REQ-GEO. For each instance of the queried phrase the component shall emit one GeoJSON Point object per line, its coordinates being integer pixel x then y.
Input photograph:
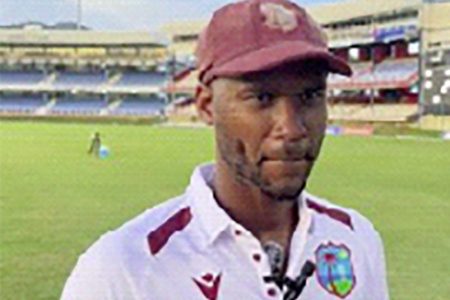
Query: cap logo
{"type": "Point", "coordinates": [278, 17]}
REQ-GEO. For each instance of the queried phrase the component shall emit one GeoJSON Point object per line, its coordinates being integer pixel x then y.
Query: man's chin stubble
{"type": "Point", "coordinates": [281, 196]}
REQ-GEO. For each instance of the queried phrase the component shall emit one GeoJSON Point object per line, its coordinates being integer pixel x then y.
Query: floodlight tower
{"type": "Point", "coordinates": [422, 25]}
{"type": "Point", "coordinates": [79, 11]}
{"type": "Point", "coordinates": [424, 29]}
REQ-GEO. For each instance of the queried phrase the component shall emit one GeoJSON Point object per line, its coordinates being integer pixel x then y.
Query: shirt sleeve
{"type": "Point", "coordinates": [98, 275]}
{"type": "Point", "coordinates": [375, 277]}
{"type": "Point", "coordinates": [379, 266]}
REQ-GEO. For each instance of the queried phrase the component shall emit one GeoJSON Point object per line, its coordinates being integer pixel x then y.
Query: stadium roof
{"type": "Point", "coordinates": [60, 25]}
{"type": "Point", "coordinates": [437, 24]}
{"type": "Point", "coordinates": [352, 9]}
{"type": "Point", "coordinates": [39, 36]}
{"type": "Point", "coordinates": [184, 27]}
{"type": "Point", "coordinates": [323, 13]}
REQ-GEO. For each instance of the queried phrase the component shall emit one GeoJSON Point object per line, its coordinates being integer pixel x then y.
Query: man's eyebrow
{"type": "Point", "coordinates": [316, 87]}
{"type": "Point", "coordinates": [308, 89]}
{"type": "Point", "coordinates": [252, 86]}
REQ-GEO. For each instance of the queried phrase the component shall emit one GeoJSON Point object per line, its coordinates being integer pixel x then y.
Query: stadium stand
{"type": "Point", "coordinates": [83, 80]}
{"type": "Point", "coordinates": [140, 79]}
{"type": "Point", "coordinates": [391, 73]}
{"type": "Point", "coordinates": [185, 82]}
{"type": "Point", "coordinates": [20, 77]}
{"type": "Point", "coordinates": [360, 70]}
{"type": "Point", "coordinates": [138, 106]}
{"type": "Point", "coordinates": [79, 105]}
{"type": "Point", "coordinates": [20, 104]}
{"type": "Point", "coordinates": [81, 72]}
{"type": "Point", "coordinates": [369, 113]}
{"type": "Point", "coordinates": [182, 111]}
{"type": "Point", "coordinates": [384, 42]}
{"type": "Point", "coordinates": [396, 73]}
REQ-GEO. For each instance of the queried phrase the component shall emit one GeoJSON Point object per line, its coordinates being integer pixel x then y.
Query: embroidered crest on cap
{"type": "Point", "coordinates": [278, 17]}
{"type": "Point", "coordinates": [335, 270]}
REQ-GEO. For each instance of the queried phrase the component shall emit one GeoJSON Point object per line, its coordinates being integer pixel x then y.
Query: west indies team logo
{"type": "Point", "coordinates": [334, 269]}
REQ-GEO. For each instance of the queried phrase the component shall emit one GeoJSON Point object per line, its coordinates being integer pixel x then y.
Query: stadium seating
{"type": "Point", "coordinates": [398, 73]}
{"type": "Point", "coordinates": [375, 113]}
{"type": "Point", "coordinates": [79, 106]}
{"type": "Point", "coordinates": [16, 78]}
{"type": "Point", "coordinates": [140, 79]}
{"type": "Point", "coordinates": [396, 70]}
{"type": "Point", "coordinates": [21, 104]}
{"type": "Point", "coordinates": [360, 71]}
{"type": "Point", "coordinates": [138, 106]}
{"type": "Point", "coordinates": [69, 79]}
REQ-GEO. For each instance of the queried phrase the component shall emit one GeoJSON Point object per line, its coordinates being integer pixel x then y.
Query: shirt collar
{"type": "Point", "coordinates": [306, 216]}
{"type": "Point", "coordinates": [212, 219]}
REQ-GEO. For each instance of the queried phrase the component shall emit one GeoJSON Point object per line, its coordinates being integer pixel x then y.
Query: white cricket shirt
{"type": "Point", "coordinates": [188, 248]}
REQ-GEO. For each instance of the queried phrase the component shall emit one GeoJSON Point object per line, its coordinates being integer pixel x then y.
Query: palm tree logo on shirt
{"type": "Point", "coordinates": [335, 270]}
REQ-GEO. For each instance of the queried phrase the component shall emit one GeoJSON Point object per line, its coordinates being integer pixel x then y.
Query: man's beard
{"type": "Point", "coordinates": [249, 173]}
{"type": "Point", "coordinates": [284, 196]}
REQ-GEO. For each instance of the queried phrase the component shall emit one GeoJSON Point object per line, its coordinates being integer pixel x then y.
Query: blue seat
{"type": "Point", "coordinates": [136, 79]}
{"type": "Point", "coordinates": [79, 106]}
{"type": "Point", "coordinates": [21, 103]}
{"type": "Point", "coordinates": [21, 77]}
{"type": "Point", "coordinates": [140, 106]}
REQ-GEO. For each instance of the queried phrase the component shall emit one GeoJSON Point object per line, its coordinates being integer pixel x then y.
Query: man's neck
{"type": "Point", "coordinates": [267, 218]}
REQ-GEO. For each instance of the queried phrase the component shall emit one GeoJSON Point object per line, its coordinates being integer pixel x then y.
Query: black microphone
{"type": "Point", "coordinates": [295, 287]}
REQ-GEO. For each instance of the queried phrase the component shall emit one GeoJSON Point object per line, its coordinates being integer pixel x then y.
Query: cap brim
{"type": "Point", "coordinates": [280, 54]}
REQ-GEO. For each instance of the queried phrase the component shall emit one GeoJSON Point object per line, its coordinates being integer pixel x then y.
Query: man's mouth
{"type": "Point", "coordinates": [291, 158]}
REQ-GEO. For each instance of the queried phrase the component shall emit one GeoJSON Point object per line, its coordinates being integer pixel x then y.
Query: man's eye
{"type": "Point", "coordinates": [265, 98]}
{"type": "Point", "coordinates": [319, 94]}
{"type": "Point", "coordinates": [311, 97]}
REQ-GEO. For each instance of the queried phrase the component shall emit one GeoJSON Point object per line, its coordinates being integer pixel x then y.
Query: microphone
{"type": "Point", "coordinates": [295, 287]}
{"type": "Point", "coordinates": [276, 256]}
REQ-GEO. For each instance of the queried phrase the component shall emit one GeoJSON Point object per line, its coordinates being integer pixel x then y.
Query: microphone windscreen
{"type": "Point", "coordinates": [308, 268]}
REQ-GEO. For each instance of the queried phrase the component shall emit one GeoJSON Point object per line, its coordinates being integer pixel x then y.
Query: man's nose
{"type": "Point", "coordinates": [289, 121]}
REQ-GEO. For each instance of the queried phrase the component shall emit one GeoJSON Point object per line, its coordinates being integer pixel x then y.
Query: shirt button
{"type": "Point", "coordinates": [272, 292]}
{"type": "Point", "coordinates": [256, 257]}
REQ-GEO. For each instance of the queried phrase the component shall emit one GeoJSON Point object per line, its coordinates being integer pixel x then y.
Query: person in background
{"type": "Point", "coordinates": [96, 143]}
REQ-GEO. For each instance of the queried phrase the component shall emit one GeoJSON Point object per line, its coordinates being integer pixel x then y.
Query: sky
{"type": "Point", "coordinates": [148, 15]}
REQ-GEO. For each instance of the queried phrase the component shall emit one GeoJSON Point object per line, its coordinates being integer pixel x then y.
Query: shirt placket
{"type": "Point", "coordinates": [298, 244]}
{"type": "Point", "coordinates": [252, 249]}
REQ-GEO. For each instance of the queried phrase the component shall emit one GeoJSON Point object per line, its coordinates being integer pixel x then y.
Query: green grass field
{"type": "Point", "coordinates": [56, 200]}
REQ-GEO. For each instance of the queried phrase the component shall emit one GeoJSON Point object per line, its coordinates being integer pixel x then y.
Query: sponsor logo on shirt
{"type": "Point", "coordinates": [209, 285]}
{"type": "Point", "coordinates": [334, 269]}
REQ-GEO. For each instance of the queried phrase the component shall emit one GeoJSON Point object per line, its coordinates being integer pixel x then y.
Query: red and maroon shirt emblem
{"type": "Point", "coordinates": [209, 285]}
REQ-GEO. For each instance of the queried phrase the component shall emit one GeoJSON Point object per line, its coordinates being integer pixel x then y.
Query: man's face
{"type": "Point", "coordinates": [269, 128]}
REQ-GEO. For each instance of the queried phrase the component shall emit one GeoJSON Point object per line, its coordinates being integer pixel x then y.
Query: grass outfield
{"type": "Point", "coordinates": [56, 200]}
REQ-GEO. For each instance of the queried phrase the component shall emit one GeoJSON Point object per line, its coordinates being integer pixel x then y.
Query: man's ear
{"type": "Point", "coordinates": [204, 103]}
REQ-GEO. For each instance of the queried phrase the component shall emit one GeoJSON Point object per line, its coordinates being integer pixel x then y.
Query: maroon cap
{"type": "Point", "coordinates": [257, 35]}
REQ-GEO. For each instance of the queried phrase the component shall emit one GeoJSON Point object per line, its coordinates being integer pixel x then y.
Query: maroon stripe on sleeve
{"type": "Point", "coordinates": [158, 238]}
{"type": "Point", "coordinates": [333, 213]}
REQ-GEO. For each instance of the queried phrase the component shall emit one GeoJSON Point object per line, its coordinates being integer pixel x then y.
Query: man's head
{"type": "Point", "coordinates": [263, 66]}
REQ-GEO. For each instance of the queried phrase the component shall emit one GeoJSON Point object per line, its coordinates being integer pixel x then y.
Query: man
{"type": "Point", "coordinates": [95, 145]}
{"type": "Point", "coordinates": [245, 228]}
